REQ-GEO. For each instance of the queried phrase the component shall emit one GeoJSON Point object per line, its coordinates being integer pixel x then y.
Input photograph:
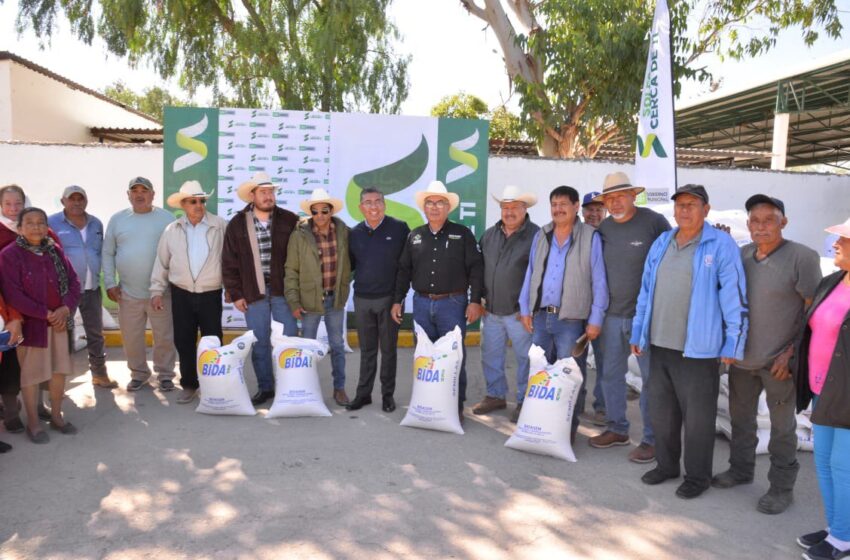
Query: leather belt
{"type": "Point", "coordinates": [327, 293]}
{"type": "Point", "coordinates": [551, 309]}
{"type": "Point", "coordinates": [435, 297]}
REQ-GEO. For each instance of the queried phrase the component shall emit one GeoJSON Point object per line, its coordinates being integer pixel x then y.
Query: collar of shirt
{"type": "Point", "coordinates": [370, 227]}
{"type": "Point", "coordinates": [315, 230]}
{"type": "Point", "coordinates": [72, 224]}
{"type": "Point", "coordinates": [439, 231]}
{"type": "Point", "coordinates": [203, 222]}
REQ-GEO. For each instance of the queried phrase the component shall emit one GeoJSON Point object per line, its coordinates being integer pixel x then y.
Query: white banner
{"type": "Point", "coordinates": [655, 149]}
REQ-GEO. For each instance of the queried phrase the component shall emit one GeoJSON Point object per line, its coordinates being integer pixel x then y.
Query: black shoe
{"type": "Point", "coordinates": [811, 539]}
{"type": "Point", "coordinates": [14, 426]}
{"type": "Point", "coordinates": [690, 489]}
{"type": "Point", "coordinates": [656, 476]}
{"type": "Point", "coordinates": [44, 413]}
{"type": "Point", "coordinates": [389, 403]}
{"type": "Point", "coordinates": [358, 403]}
{"type": "Point", "coordinates": [5, 447]}
{"type": "Point", "coordinates": [825, 551]}
{"type": "Point", "coordinates": [729, 479]}
{"type": "Point", "coordinates": [261, 396]}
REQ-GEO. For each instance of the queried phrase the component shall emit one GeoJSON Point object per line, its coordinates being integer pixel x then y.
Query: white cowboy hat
{"type": "Point", "coordinates": [616, 182]}
{"type": "Point", "coordinates": [511, 193]}
{"type": "Point", "coordinates": [841, 230]}
{"type": "Point", "coordinates": [189, 189]}
{"type": "Point", "coordinates": [259, 179]}
{"type": "Point", "coordinates": [321, 196]}
{"type": "Point", "coordinates": [437, 188]}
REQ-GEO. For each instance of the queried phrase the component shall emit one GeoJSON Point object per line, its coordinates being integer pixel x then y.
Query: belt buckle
{"type": "Point", "coordinates": [552, 309]}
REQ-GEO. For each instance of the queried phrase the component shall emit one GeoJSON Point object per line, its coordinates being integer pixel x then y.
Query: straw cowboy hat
{"type": "Point", "coordinates": [321, 196]}
{"type": "Point", "coordinates": [617, 182]}
{"type": "Point", "coordinates": [511, 194]}
{"type": "Point", "coordinates": [437, 188]}
{"type": "Point", "coordinates": [189, 189]}
{"type": "Point", "coordinates": [841, 230]}
{"type": "Point", "coordinates": [259, 179]}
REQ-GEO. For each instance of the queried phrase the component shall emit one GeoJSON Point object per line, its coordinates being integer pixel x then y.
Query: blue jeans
{"type": "Point", "coordinates": [258, 319]}
{"type": "Point", "coordinates": [832, 463]}
{"type": "Point", "coordinates": [333, 323]}
{"type": "Point", "coordinates": [616, 332]}
{"type": "Point", "coordinates": [437, 317]}
{"type": "Point", "coordinates": [562, 334]}
{"type": "Point", "coordinates": [598, 394]}
{"type": "Point", "coordinates": [495, 332]}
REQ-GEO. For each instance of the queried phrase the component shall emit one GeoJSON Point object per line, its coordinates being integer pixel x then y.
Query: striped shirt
{"type": "Point", "coordinates": [264, 244]}
{"type": "Point", "coordinates": [327, 255]}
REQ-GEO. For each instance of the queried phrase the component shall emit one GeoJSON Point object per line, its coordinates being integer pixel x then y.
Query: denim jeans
{"type": "Point", "coordinates": [598, 393]}
{"type": "Point", "coordinates": [562, 334]}
{"type": "Point", "coordinates": [832, 464]}
{"type": "Point", "coordinates": [495, 332]}
{"type": "Point", "coordinates": [439, 316]}
{"type": "Point", "coordinates": [616, 332]}
{"type": "Point", "coordinates": [333, 323]}
{"type": "Point", "coordinates": [258, 319]}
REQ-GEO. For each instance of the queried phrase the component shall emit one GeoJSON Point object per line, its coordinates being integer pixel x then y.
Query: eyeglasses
{"type": "Point", "coordinates": [371, 203]}
{"type": "Point", "coordinates": [436, 203]}
{"type": "Point", "coordinates": [324, 211]}
{"type": "Point", "coordinates": [194, 201]}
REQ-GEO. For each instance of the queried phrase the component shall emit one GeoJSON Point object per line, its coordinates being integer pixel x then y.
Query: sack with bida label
{"type": "Point", "coordinates": [544, 423]}
{"type": "Point", "coordinates": [222, 384]}
{"type": "Point", "coordinates": [436, 377]}
{"type": "Point", "coordinates": [297, 391]}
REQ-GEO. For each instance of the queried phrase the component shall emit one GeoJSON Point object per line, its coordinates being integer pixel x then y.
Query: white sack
{"type": "Point", "coordinates": [223, 389]}
{"type": "Point", "coordinates": [296, 375]}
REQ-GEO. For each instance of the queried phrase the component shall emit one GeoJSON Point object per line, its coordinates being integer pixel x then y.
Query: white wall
{"type": "Point", "coordinates": [813, 201]}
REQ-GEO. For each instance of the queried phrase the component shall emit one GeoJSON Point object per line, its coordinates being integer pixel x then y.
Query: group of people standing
{"type": "Point", "coordinates": [686, 301]}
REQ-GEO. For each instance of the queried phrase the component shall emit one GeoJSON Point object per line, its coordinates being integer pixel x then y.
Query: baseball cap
{"type": "Point", "coordinates": [764, 199]}
{"type": "Point", "coordinates": [588, 198]}
{"type": "Point", "coordinates": [74, 189]}
{"type": "Point", "coordinates": [695, 190]}
{"type": "Point", "coordinates": [140, 181]}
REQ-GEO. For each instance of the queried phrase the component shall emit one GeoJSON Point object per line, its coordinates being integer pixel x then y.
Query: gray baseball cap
{"type": "Point", "coordinates": [74, 189]}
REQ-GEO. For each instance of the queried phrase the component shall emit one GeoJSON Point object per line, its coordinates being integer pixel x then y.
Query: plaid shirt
{"type": "Point", "coordinates": [264, 243]}
{"type": "Point", "coordinates": [327, 254]}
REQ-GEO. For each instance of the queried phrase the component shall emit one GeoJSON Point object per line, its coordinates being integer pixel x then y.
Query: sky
{"type": "Point", "coordinates": [451, 52]}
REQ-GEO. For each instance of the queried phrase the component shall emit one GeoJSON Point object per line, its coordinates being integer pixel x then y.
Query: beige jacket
{"type": "Point", "coordinates": [172, 259]}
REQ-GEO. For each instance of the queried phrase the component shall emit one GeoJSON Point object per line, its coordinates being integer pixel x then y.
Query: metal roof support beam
{"type": "Point", "coordinates": [779, 147]}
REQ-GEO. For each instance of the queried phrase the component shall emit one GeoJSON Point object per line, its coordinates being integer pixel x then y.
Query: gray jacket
{"type": "Point", "coordinates": [505, 262]}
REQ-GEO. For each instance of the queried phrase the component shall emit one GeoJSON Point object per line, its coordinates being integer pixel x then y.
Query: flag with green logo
{"type": "Point", "coordinates": [190, 143]}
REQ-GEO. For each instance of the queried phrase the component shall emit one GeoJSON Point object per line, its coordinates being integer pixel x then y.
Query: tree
{"type": "Point", "coordinates": [504, 125]}
{"type": "Point", "coordinates": [330, 55]}
{"type": "Point", "coordinates": [578, 66]}
{"type": "Point", "coordinates": [151, 102]}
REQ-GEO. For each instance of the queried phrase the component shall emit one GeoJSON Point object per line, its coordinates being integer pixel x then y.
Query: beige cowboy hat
{"type": "Point", "coordinates": [321, 196]}
{"type": "Point", "coordinates": [189, 189]}
{"type": "Point", "coordinates": [841, 230]}
{"type": "Point", "coordinates": [511, 194]}
{"type": "Point", "coordinates": [617, 182]}
{"type": "Point", "coordinates": [259, 179]}
{"type": "Point", "coordinates": [437, 188]}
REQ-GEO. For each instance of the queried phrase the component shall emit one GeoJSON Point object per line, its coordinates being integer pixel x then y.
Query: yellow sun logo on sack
{"type": "Point", "coordinates": [423, 370]}
{"type": "Point", "coordinates": [538, 387]}
{"type": "Point", "coordinates": [208, 365]}
{"type": "Point", "coordinates": [294, 358]}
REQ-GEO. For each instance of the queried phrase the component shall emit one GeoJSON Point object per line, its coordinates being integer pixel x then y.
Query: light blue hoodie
{"type": "Point", "coordinates": [718, 315]}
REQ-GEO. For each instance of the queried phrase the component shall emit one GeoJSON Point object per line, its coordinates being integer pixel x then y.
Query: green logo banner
{"type": "Point", "coordinates": [462, 153]}
{"type": "Point", "coordinates": [190, 143]}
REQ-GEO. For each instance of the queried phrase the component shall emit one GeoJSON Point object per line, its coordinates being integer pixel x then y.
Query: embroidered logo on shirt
{"type": "Point", "coordinates": [389, 238]}
{"type": "Point", "coordinates": [636, 243]}
{"type": "Point", "coordinates": [453, 236]}
{"type": "Point", "coordinates": [709, 260]}
{"type": "Point", "coordinates": [417, 239]}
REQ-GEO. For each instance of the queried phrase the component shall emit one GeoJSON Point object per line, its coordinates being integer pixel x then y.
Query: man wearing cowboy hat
{"type": "Point", "coordinates": [442, 260]}
{"type": "Point", "coordinates": [253, 259]}
{"type": "Point", "coordinates": [376, 244]}
{"type": "Point", "coordinates": [81, 235]}
{"type": "Point", "coordinates": [627, 234]}
{"type": "Point", "coordinates": [505, 247]}
{"type": "Point", "coordinates": [564, 294]}
{"type": "Point", "coordinates": [188, 264]}
{"type": "Point", "coordinates": [318, 273]}
{"type": "Point", "coordinates": [129, 251]}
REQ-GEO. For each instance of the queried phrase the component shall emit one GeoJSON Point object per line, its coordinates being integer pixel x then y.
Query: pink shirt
{"type": "Point", "coordinates": [825, 324]}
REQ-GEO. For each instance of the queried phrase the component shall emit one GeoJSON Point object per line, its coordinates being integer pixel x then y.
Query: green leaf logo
{"type": "Point", "coordinates": [652, 144]}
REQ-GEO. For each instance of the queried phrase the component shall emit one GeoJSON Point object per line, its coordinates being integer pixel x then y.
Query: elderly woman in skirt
{"type": "Point", "coordinates": [39, 281]}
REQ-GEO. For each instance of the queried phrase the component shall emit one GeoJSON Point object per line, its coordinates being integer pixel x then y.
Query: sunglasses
{"type": "Point", "coordinates": [194, 201]}
{"type": "Point", "coordinates": [324, 211]}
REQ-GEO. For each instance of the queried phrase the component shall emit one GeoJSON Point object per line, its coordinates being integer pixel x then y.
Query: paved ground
{"type": "Point", "coordinates": [147, 478]}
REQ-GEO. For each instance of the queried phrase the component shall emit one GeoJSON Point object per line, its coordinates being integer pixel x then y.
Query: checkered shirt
{"type": "Point", "coordinates": [327, 255]}
{"type": "Point", "coordinates": [264, 244]}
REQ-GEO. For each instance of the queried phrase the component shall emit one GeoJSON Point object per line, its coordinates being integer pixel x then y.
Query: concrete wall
{"type": "Point", "coordinates": [45, 110]}
{"type": "Point", "coordinates": [813, 201]}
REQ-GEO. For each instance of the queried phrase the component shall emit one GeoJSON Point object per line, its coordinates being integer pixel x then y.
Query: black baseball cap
{"type": "Point", "coordinates": [695, 190]}
{"type": "Point", "coordinates": [764, 199]}
{"type": "Point", "coordinates": [140, 181]}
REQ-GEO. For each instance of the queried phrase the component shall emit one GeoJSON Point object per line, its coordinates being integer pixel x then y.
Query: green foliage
{"type": "Point", "coordinates": [330, 55]}
{"type": "Point", "coordinates": [504, 125]}
{"type": "Point", "coordinates": [151, 102]}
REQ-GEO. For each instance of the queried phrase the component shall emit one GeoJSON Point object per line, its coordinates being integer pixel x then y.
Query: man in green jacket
{"type": "Point", "coordinates": [318, 273]}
